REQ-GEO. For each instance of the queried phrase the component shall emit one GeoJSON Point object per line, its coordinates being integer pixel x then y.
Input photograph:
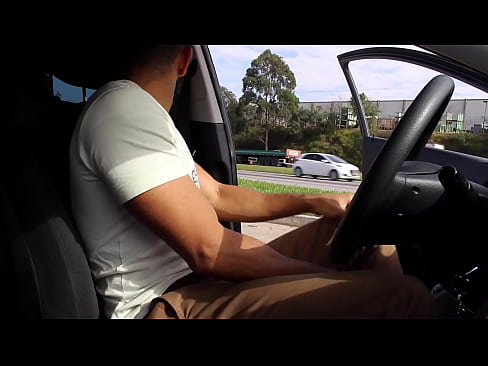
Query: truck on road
{"type": "Point", "coordinates": [267, 157]}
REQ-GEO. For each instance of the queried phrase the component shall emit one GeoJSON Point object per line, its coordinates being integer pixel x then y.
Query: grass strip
{"type": "Point", "coordinates": [267, 169]}
{"type": "Point", "coordinates": [266, 187]}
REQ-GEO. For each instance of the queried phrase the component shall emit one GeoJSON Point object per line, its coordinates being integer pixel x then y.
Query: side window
{"type": "Point", "coordinates": [70, 93]}
{"type": "Point", "coordinates": [463, 127]}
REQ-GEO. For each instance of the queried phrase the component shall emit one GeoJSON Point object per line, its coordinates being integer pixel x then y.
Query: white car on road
{"type": "Point", "coordinates": [325, 165]}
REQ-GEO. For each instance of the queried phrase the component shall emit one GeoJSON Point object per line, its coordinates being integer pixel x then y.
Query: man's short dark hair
{"type": "Point", "coordinates": [152, 56]}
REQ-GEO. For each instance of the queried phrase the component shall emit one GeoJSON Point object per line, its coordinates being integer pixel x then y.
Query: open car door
{"type": "Point", "coordinates": [431, 203]}
{"type": "Point", "coordinates": [467, 70]}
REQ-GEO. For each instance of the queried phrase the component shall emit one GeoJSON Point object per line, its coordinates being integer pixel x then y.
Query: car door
{"type": "Point", "coordinates": [315, 165]}
{"type": "Point", "coordinates": [423, 66]}
{"type": "Point", "coordinates": [206, 125]}
{"type": "Point", "coordinates": [326, 165]}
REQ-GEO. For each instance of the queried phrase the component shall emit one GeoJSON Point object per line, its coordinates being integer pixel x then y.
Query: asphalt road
{"type": "Point", "coordinates": [304, 181]}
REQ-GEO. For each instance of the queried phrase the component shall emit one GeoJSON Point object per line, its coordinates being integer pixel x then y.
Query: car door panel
{"type": "Point", "coordinates": [318, 166]}
{"type": "Point", "coordinates": [326, 167]}
{"type": "Point", "coordinates": [201, 117]}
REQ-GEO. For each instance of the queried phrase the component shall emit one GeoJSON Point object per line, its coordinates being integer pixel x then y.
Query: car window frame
{"type": "Point", "coordinates": [372, 145]}
{"type": "Point", "coordinates": [420, 58]}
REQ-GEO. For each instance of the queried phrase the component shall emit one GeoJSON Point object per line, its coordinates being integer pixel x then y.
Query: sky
{"type": "Point", "coordinates": [319, 77]}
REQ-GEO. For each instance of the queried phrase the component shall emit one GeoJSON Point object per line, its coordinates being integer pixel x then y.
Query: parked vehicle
{"type": "Point", "coordinates": [325, 165]}
{"type": "Point", "coordinates": [431, 203]}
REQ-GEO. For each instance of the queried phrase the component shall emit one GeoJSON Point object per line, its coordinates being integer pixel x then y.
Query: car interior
{"type": "Point", "coordinates": [42, 256]}
{"type": "Point", "coordinates": [431, 203]}
{"type": "Point", "coordinates": [41, 252]}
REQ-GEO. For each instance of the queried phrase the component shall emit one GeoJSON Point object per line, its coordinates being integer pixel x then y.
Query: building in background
{"type": "Point", "coordinates": [468, 115]}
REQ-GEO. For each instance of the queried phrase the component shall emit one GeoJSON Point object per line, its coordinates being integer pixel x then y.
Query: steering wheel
{"type": "Point", "coordinates": [405, 143]}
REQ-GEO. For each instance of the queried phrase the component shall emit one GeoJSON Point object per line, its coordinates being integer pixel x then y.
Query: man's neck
{"type": "Point", "coordinates": [161, 88]}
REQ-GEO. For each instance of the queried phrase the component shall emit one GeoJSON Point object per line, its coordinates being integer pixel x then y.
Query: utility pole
{"type": "Point", "coordinates": [484, 115]}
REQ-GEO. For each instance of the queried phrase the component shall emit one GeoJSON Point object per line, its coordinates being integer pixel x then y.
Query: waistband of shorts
{"type": "Point", "coordinates": [187, 280]}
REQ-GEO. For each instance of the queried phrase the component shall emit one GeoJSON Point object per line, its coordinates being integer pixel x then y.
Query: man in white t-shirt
{"type": "Point", "coordinates": [150, 222]}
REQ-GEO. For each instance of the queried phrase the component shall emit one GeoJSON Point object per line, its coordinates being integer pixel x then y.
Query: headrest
{"type": "Point", "coordinates": [81, 64]}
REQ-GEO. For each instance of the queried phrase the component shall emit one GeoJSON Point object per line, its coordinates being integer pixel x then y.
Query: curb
{"type": "Point", "coordinates": [296, 220]}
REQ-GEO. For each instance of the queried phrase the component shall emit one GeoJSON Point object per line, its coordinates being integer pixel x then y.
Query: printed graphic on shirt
{"type": "Point", "coordinates": [194, 177]}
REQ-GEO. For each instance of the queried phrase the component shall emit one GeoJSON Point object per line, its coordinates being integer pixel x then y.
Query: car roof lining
{"type": "Point", "coordinates": [473, 56]}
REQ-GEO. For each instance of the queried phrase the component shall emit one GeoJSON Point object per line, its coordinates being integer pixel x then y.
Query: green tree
{"type": "Point", "coordinates": [228, 97]}
{"type": "Point", "coordinates": [370, 110]}
{"type": "Point", "coordinates": [238, 121]}
{"type": "Point", "coordinates": [345, 143]}
{"type": "Point", "coordinates": [313, 118]}
{"type": "Point", "coordinates": [268, 88]}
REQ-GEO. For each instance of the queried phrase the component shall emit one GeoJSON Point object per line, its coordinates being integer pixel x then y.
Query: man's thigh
{"type": "Point", "coordinates": [308, 242]}
{"type": "Point", "coordinates": [311, 242]}
{"type": "Point", "coordinates": [354, 294]}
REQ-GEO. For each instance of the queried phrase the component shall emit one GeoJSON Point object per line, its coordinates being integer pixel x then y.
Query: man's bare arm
{"type": "Point", "coordinates": [234, 203]}
{"type": "Point", "coordinates": [181, 215]}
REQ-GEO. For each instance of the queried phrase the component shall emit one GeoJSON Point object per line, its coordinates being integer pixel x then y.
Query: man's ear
{"type": "Point", "coordinates": [184, 60]}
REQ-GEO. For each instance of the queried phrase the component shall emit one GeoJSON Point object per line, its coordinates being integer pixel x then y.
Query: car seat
{"type": "Point", "coordinates": [49, 269]}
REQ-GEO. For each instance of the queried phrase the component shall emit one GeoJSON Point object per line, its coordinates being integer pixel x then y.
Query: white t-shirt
{"type": "Point", "coordinates": [125, 144]}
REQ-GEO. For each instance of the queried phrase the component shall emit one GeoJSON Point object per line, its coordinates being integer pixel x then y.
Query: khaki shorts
{"type": "Point", "coordinates": [371, 286]}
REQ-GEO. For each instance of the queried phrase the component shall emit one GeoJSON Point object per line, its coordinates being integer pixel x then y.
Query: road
{"type": "Point", "coordinates": [305, 181]}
